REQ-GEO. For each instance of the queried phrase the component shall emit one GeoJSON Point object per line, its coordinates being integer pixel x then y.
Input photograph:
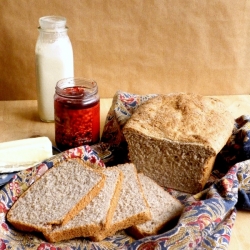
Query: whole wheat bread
{"type": "Point", "coordinates": [96, 216]}
{"type": "Point", "coordinates": [132, 207]}
{"type": "Point", "coordinates": [174, 139]}
{"type": "Point", "coordinates": [163, 207]}
{"type": "Point", "coordinates": [44, 204]}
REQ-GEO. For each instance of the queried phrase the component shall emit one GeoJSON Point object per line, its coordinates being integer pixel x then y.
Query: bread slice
{"type": "Point", "coordinates": [132, 207]}
{"type": "Point", "coordinates": [163, 206]}
{"type": "Point", "coordinates": [96, 216]}
{"type": "Point", "coordinates": [56, 197]}
{"type": "Point", "coordinates": [174, 139]}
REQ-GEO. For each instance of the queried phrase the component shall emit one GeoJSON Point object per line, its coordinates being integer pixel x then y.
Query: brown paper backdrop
{"type": "Point", "coordinates": [138, 46]}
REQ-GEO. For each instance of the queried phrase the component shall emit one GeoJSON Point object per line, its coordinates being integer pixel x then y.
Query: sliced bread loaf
{"type": "Point", "coordinates": [96, 216]}
{"type": "Point", "coordinates": [163, 207]}
{"type": "Point", "coordinates": [132, 207]}
{"type": "Point", "coordinates": [174, 139]}
{"type": "Point", "coordinates": [44, 204]}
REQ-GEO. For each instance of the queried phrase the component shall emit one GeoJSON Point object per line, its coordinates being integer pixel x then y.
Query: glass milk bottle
{"type": "Point", "coordinates": [54, 61]}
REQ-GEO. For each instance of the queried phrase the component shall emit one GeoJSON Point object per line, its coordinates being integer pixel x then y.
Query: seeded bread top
{"type": "Point", "coordinates": [185, 118]}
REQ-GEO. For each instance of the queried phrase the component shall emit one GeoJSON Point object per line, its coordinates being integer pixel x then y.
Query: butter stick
{"type": "Point", "coordinates": [21, 154]}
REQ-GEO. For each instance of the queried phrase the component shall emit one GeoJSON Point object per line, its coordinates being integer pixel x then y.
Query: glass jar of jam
{"type": "Point", "coordinates": [77, 113]}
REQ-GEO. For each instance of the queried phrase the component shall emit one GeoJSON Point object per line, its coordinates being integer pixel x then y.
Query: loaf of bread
{"type": "Point", "coordinates": [56, 197]}
{"type": "Point", "coordinates": [96, 216]}
{"type": "Point", "coordinates": [163, 207]}
{"type": "Point", "coordinates": [174, 139]}
{"type": "Point", "coordinates": [132, 207]}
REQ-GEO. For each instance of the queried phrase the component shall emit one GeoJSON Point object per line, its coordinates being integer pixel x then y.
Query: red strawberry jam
{"type": "Point", "coordinates": [77, 113]}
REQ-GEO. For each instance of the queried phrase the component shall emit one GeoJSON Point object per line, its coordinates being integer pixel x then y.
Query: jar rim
{"type": "Point", "coordinates": [88, 87]}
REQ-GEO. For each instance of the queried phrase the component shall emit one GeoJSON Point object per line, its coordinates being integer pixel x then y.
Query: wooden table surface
{"type": "Point", "coordinates": [19, 120]}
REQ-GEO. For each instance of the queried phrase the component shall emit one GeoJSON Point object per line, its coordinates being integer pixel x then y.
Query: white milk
{"type": "Point", "coordinates": [54, 62]}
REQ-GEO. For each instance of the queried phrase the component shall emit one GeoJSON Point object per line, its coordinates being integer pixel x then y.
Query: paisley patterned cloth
{"type": "Point", "coordinates": [208, 216]}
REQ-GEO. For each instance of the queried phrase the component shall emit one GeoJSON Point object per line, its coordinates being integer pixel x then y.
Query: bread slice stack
{"type": "Point", "coordinates": [74, 199]}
